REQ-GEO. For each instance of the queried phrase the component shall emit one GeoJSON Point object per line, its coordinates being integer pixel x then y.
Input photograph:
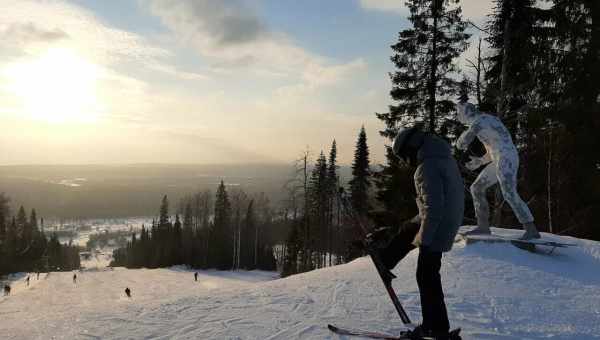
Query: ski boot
{"type": "Point", "coordinates": [419, 333]}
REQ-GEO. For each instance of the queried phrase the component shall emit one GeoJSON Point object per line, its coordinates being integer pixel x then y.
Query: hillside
{"type": "Point", "coordinates": [493, 291]}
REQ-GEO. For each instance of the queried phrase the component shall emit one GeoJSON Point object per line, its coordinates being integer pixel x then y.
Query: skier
{"type": "Point", "coordinates": [440, 201]}
{"type": "Point", "coordinates": [74, 278]}
{"type": "Point", "coordinates": [196, 276]}
{"type": "Point", "coordinates": [7, 289]}
{"type": "Point", "coordinates": [501, 165]}
{"type": "Point", "coordinates": [128, 292]}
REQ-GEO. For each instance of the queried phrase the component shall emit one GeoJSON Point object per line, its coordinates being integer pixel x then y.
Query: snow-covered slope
{"type": "Point", "coordinates": [493, 291]}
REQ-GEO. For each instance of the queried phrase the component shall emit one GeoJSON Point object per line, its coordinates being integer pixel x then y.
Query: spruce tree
{"type": "Point", "coordinates": [319, 193]}
{"type": "Point", "coordinates": [422, 88]}
{"type": "Point", "coordinates": [360, 182]}
{"type": "Point", "coordinates": [176, 242]}
{"type": "Point", "coordinates": [4, 215]}
{"type": "Point", "coordinates": [188, 233]}
{"type": "Point", "coordinates": [222, 239]}
{"type": "Point", "coordinates": [332, 180]}
{"type": "Point", "coordinates": [423, 81]}
{"type": "Point", "coordinates": [164, 212]}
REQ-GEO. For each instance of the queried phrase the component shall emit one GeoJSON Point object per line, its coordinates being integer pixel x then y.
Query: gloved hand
{"type": "Point", "coordinates": [379, 238]}
{"type": "Point", "coordinates": [475, 163]}
{"type": "Point", "coordinates": [461, 144]}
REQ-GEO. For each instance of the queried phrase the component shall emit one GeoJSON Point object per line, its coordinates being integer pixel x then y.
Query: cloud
{"type": "Point", "coordinates": [55, 19]}
{"type": "Point", "coordinates": [230, 37]}
{"type": "Point", "coordinates": [394, 6]}
{"type": "Point", "coordinates": [475, 10]}
{"type": "Point", "coordinates": [28, 28]}
{"type": "Point", "coordinates": [26, 32]}
{"type": "Point", "coordinates": [220, 23]}
{"type": "Point", "coordinates": [316, 74]}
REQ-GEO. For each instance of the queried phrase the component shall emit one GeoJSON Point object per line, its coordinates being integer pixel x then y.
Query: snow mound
{"type": "Point", "coordinates": [493, 291]}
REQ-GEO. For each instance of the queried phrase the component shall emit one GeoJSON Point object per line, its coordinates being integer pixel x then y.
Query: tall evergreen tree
{"type": "Point", "coordinates": [164, 212]}
{"type": "Point", "coordinates": [188, 233]}
{"type": "Point", "coordinates": [424, 55]}
{"type": "Point", "coordinates": [332, 180]}
{"type": "Point", "coordinates": [4, 215]}
{"type": "Point", "coordinates": [422, 87]}
{"type": "Point", "coordinates": [319, 193]}
{"type": "Point", "coordinates": [222, 236]}
{"type": "Point", "coordinates": [361, 173]}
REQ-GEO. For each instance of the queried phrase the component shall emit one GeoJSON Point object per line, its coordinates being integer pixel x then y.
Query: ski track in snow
{"type": "Point", "coordinates": [493, 291]}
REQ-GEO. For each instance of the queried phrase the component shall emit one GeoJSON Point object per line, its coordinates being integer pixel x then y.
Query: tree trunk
{"type": "Point", "coordinates": [435, 5]}
{"type": "Point", "coordinates": [479, 66]}
{"type": "Point", "coordinates": [549, 179]}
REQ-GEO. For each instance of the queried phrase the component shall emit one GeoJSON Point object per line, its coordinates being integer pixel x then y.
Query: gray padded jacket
{"type": "Point", "coordinates": [440, 195]}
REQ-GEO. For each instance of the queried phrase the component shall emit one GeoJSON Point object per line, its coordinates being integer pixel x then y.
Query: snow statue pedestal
{"type": "Point", "coordinates": [511, 236]}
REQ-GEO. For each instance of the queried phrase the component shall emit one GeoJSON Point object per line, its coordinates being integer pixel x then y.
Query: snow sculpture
{"type": "Point", "coordinates": [502, 159]}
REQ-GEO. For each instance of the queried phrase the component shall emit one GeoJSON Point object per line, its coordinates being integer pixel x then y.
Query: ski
{"type": "Point", "coordinates": [452, 335]}
{"type": "Point", "coordinates": [362, 333]}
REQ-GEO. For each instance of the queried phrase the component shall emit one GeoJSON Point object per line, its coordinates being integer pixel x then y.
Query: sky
{"type": "Point", "coordinates": [195, 81]}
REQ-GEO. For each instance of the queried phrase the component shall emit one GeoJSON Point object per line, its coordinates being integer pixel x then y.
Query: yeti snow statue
{"type": "Point", "coordinates": [502, 159]}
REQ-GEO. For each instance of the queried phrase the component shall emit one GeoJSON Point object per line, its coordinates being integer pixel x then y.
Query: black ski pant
{"type": "Point", "coordinates": [433, 308]}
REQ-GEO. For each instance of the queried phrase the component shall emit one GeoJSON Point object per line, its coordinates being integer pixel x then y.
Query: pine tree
{"type": "Point", "coordinates": [4, 215]}
{"type": "Point", "coordinates": [332, 183]}
{"type": "Point", "coordinates": [222, 240]}
{"type": "Point", "coordinates": [188, 233]}
{"type": "Point", "coordinates": [248, 235]}
{"type": "Point", "coordinates": [360, 182]}
{"type": "Point", "coordinates": [422, 87]}
{"type": "Point", "coordinates": [164, 212]}
{"type": "Point", "coordinates": [423, 58]}
{"type": "Point", "coordinates": [162, 238]}
{"type": "Point", "coordinates": [176, 242]}
{"type": "Point", "coordinates": [319, 189]}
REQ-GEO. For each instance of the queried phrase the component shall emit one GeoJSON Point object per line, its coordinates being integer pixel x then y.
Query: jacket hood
{"type": "Point", "coordinates": [433, 147]}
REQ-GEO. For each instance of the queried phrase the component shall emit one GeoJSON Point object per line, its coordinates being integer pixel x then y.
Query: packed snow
{"type": "Point", "coordinates": [493, 291]}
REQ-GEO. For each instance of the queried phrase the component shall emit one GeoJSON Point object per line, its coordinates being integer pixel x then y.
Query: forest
{"type": "Point", "coordinates": [24, 246]}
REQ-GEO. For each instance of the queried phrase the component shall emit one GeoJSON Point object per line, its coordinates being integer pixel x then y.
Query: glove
{"type": "Point", "coordinates": [474, 163]}
{"type": "Point", "coordinates": [460, 143]}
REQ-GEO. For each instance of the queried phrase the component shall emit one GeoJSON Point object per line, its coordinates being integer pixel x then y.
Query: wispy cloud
{"type": "Point", "coordinates": [475, 10]}
{"type": "Point", "coordinates": [230, 36]}
{"type": "Point", "coordinates": [393, 6]}
{"type": "Point", "coordinates": [22, 33]}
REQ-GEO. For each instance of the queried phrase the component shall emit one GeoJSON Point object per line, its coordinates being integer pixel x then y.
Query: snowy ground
{"type": "Point", "coordinates": [493, 291]}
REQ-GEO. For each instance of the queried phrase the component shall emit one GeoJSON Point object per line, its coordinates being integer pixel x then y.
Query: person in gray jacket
{"type": "Point", "coordinates": [440, 199]}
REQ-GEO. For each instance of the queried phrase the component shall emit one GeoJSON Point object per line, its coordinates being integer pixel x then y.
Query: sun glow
{"type": "Point", "coordinates": [59, 87]}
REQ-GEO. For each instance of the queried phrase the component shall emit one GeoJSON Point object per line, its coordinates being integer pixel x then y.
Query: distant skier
{"type": "Point", "coordinates": [27, 280]}
{"type": "Point", "coordinates": [440, 199]}
{"type": "Point", "coordinates": [501, 165]}
{"type": "Point", "coordinates": [74, 278]}
{"type": "Point", "coordinates": [196, 276]}
{"type": "Point", "coordinates": [128, 292]}
{"type": "Point", "coordinates": [6, 289]}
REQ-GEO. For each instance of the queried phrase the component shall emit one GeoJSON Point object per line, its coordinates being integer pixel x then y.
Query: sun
{"type": "Point", "coordinates": [59, 86]}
